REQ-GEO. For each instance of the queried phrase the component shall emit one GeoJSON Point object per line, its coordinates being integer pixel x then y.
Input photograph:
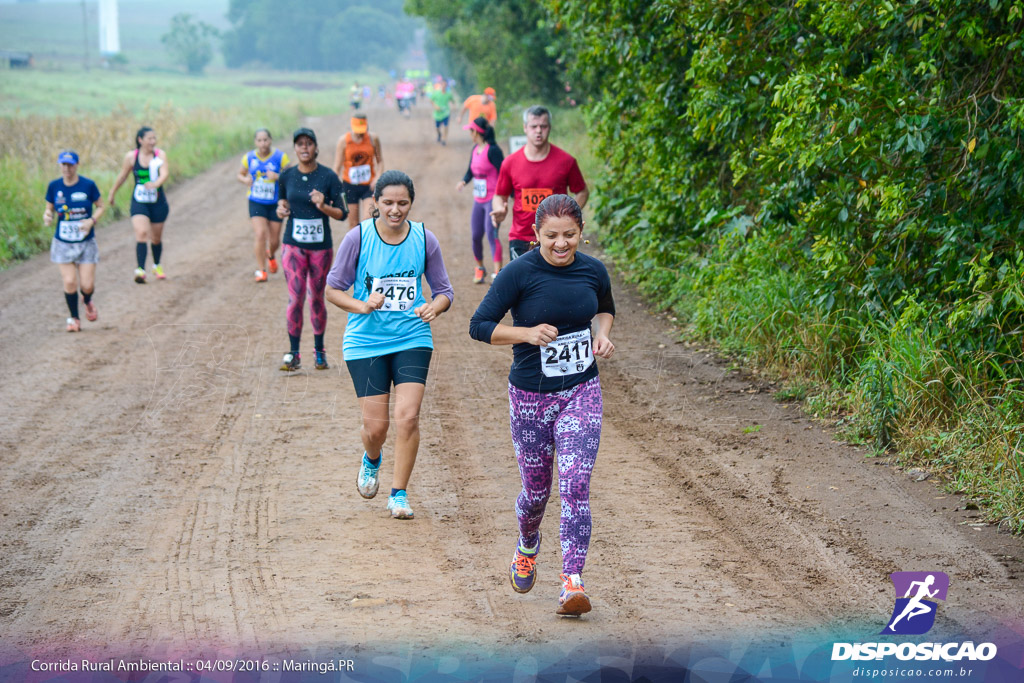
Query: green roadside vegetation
{"type": "Point", "coordinates": [830, 191]}
{"type": "Point", "coordinates": [199, 121]}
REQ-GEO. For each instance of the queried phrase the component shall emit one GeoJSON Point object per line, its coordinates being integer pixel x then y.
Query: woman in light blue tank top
{"type": "Point", "coordinates": [387, 335]}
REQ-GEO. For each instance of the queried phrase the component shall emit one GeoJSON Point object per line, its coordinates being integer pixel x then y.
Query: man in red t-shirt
{"type": "Point", "coordinates": [536, 171]}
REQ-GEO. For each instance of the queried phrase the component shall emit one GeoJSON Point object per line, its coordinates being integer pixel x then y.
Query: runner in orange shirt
{"type": "Point", "coordinates": [480, 105]}
{"type": "Point", "coordinates": [358, 153]}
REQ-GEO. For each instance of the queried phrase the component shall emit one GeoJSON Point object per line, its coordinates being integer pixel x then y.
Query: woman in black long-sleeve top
{"type": "Point", "coordinates": [562, 313]}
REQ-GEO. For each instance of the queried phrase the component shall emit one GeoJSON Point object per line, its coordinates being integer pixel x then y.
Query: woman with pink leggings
{"type": "Point", "coordinates": [310, 195]}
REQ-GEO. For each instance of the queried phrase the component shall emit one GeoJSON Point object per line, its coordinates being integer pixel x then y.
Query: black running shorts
{"type": "Point", "coordinates": [374, 376]}
{"type": "Point", "coordinates": [268, 211]}
{"type": "Point", "coordinates": [355, 193]}
{"type": "Point", "coordinates": [517, 248]}
{"type": "Point", "coordinates": [156, 211]}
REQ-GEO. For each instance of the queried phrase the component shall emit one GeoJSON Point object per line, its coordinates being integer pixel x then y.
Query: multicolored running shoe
{"type": "Point", "coordinates": [522, 573]}
{"type": "Point", "coordinates": [573, 601]}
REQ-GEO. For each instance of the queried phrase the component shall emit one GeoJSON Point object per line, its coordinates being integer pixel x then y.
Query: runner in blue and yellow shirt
{"type": "Point", "coordinates": [261, 167]}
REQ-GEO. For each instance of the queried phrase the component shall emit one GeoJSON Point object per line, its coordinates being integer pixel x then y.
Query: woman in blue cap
{"type": "Point", "coordinates": [70, 200]}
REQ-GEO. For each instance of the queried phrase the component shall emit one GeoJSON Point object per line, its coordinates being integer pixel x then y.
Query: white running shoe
{"type": "Point", "coordinates": [399, 506]}
{"type": "Point", "coordinates": [368, 479]}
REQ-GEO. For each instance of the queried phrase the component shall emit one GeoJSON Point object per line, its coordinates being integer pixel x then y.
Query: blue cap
{"type": "Point", "coordinates": [68, 157]}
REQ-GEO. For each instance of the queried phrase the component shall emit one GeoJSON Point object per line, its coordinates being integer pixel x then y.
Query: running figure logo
{"type": "Point", "coordinates": [914, 612]}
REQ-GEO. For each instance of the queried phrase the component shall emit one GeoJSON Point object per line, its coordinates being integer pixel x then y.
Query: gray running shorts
{"type": "Point", "coordinates": [74, 252]}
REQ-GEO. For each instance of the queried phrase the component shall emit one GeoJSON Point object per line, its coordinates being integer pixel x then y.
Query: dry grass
{"type": "Point", "coordinates": [193, 139]}
{"type": "Point", "coordinates": [100, 141]}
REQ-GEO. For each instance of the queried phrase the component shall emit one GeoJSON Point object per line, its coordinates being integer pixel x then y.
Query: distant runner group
{"type": "Point", "coordinates": [560, 299]}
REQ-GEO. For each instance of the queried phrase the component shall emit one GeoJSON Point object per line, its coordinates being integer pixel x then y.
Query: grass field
{"type": "Point", "coordinates": [68, 100]}
{"type": "Point", "coordinates": [57, 35]}
{"type": "Point", "coordinates": [199, 121]}
{"type": "Point", "coordinates": [65, 91]}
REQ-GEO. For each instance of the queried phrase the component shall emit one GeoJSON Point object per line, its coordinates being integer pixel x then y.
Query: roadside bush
{"type": "Point", "coordinates": [834, 189]}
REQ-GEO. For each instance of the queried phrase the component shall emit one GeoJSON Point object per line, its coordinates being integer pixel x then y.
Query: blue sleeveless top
{"type": "Point", "coordinates": [263, 191]}
{"type": "Point", "coordinates": [395, 270]}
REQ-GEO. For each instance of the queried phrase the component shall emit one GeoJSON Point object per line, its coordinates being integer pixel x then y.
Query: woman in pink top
{"type": "Point", "coordinates": [484, 163]}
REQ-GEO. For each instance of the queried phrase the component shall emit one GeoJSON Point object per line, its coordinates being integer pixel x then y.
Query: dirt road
{"type": "Point", "coordinates": [167, 489]}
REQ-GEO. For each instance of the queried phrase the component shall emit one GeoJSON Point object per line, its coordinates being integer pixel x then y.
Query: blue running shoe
{"type": "Point", "coordinates": [399, 506]}
{"type": "Point", "coordinates": [321, 360]}
{"type": "Point", "coordinates": [522, 573]}
{"type": "Point", "coordinates": [367, 480]}
{"type": "Point", "coordinates": [573, 601]}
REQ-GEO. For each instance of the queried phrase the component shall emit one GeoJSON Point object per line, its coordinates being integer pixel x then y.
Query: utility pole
{"type": "Point", "coordinates": [110, 39]}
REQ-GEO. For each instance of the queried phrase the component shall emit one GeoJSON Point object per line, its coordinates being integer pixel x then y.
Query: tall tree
{"type": "Point", "coordinates": [327, 35]}
{"type": "Point", "coordinates": [508, 44]}
{"type": "Point", "coordinates": [190, 42]}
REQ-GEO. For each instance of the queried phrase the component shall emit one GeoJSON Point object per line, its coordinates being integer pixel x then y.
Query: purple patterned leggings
{"type": "Point", "coordinates": [306, 268]}
{"type": "Point", "coordinates": [570, 422]}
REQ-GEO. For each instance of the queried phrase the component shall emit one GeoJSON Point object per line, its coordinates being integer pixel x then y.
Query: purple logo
{"type": "Point", "coordinates": [917, 594]}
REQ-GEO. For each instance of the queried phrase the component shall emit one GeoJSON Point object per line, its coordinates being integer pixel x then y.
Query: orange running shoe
{"type": "Point", "coordinates": [573, 601]}
{"type": "Point", "coordinates": [478, 275]}
{"type": "Point", "coordinates": [271, 263]}
{"type": "Point", "coordinates": [261, 276]}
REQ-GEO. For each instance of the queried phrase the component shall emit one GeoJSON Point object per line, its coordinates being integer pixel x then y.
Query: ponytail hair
{"type": "Point", "coordinates": [489, 135]}
{"type": "Point", "coordinates": [141, 133]}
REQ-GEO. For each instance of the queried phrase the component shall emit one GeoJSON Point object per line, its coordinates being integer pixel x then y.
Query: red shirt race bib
{"type": "Point", "coordinates": [531, 198]}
